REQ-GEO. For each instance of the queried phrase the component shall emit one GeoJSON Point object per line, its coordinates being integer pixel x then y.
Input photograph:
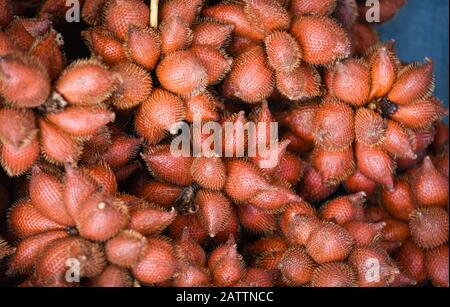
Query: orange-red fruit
{"type": "Point", "coordinates": [313, 188]}
{"type": "Point", "coordinates": [301, 83]}
{"type": "Point", "coordinates": [202, 107]}
{"type": "Point", "coordinates": [187, 10]}
{"type": "Point", "coordinates": [329, 243]}
{"type": "Point", "coordinates": [135, 85]}
{"type": "Point", "coordinates": [47, 50]}
{"type": "Point", "coordinates": [91, 11]}
{"type": "Point", "coordinates": [334, 167]}
{"type": "Point", "coordinates": [350, 82]}
{"type": "Point", "coordinates": [300, 120]}
{"type": "Point", "coordinates": [158, 263]}
{"type": "Point", "coordinates": [104, 177]}
{"type": "Point", "coordinates": [104, 45]}
{"type": "Point", "coordinates": [256, 220]}
{"type": "Point", "coordinates": [144, 47]}
{"type": "Point", "coordinates": [226, 264]}
{"type": "Point", "coordinates": [17, 160]}
{"type": "Point", "coordinates": [299, 229]}
{"type": "Point", "coordinates": [101, 217]}
{"type": "Point", "coordinates": [267, 244]}
{"type": "Point", "coordinates": [26, 221]}
{"type": "Point", "coordinates": [165, 166]}
{"type": "Point", "coordinates": [333, 125]}
{"type": "Point", "coordinates": [182, 73]}
{"type": "Point", "coordinates": [214, 210]}
{"type": "Point", "coordinates": [51, 266]}
{"type": "Point", "coordinates": [81, 121]}
{"type": "Point", "coordinates": [412, 260]}
{"type": "Point", "coordinates": [120, 15]}
{"type": "Point", "coordinates": [370, 129]}
{"type": "Point", "coordinates": [290, 168]}
{"type": "Point", "coordinates": [364, 233]}
{"type": "Point", "coordinates": [24, 82]}
{"type": "Point", "coordinates": [398, 202]}
{"type": "Point", "coordinates": [344, 208]}
{"type": "Point", "coordinates": [126, 248]}
{"type": "Point", "coordinates": [373, 267]}
{"type": "Point", "coordinates": [157, 114]}
{"type": "Point", "coordinates": [112, 276]}
{"type": "Point", "coordinates": [321, 39]}
{"type": "Point", "coordinates": [415, 82]}
{"type": "Point", "coordinates": [29, 249]}
{"type": "Point", "coordinates": [307, 7]}
{"type": "Point", "coordinates": [395, 230]}
{"type": "Point", "coordinates": [375, 164]}
{"type": "Point", "coordinates": [175, 35]}
{"type": "Point", "coordinates": [191, 276]}
{"type": "Point", "coordinates": [275, 198]}
{"type": "Point", "coordinates": [216, 62]}
{"type": "Point", "coordinates": [251, 79]}
{"type": "Point", "coordinates": [335, 274]}
{"type": "Point", "coordinates": [209, 172]}
{"type": "Point", "coordinates": [6, 14]}
{"type": "Point", "coordinates": [189, 223]}
{"type": "Point", "coordinates": [190, 251]}
{"type": "Point", "coordinates": [160, 193]}
{"type": "Point", "coordinates": [149, 219]}
{"type": "Point", "coordinates": [360, 183]}
{"type": "Point", "coordinates": [86, 82]}
{"type": "Point", "coordinates": [256, 277]}
{"type": "Point", "coordinates": [296, 266]}
{"type": "Point", "coordinates": [429, 186]}
{"type": "Point", "coordinates": [383, 71]}
{"type": "Point", "coordinates": [436, 263]}
{"type": "Point", "coordinates": [212, 33]}
{"type": "Point", "coordinates": [46, 194]}
{"type": "Point", "coordinates": [268, 14]}
{"type": "Point", "coordinates": [122, 150]}
{"type": "Point", "coordinates": [429, 227]}
{"type": "Point", "coordinates": [16, 125]}
{"type": "Point", "coordinates": [398, 141]}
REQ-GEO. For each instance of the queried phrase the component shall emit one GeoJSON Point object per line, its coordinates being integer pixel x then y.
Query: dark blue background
{"type": "Point", "coordinates": [421, 30]}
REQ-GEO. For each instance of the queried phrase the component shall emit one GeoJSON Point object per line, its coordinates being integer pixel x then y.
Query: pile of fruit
{"type": "Point", "coordinates": [92, 194]}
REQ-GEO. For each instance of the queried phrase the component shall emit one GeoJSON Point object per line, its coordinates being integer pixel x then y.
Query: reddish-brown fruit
{"type": "Point", "coordinates": [216, 62]}
{"type": "Point", "coordinates": [415, 82]}
{"type": "Point", "coordinates": [48, 51]}
{"type": "Point", "coordinates": [104, 45]}
{"type": "Point", "coordinates": [360, 183]}
{"type": "Point", "coordinates": [91, 11]}
{"type": "Point", "coordinates": [269, 15]}
{"type": "Point", "coordinates": [370, 129]}
{"type": "Point", "coordinates": [189, 275]}
{"type": "Point", "coordinates": [102, 174]}
{"type": "Point", "coordinates": [126, 248]}
{"type": "Point", "coordinates": [187, 10]}
{"type": "Point", "coordinates": [46, 195]}
{"type": "Point", "coordinates": [388, 9]}
{"type": "Point", "coordinates": [256, 277]}
{"type": "Point", "coordinates": [147, 219]}
{"type": "Point", "coordinates": [86, 82]}
{"type": "Point", "coordinates": [239, 44]}
{"type": "Point", "coordinates": [226, 264]}
{"type": "Point", "coordinates": [16, 125]}
{"type": "Point", "coordinates": [182, 73]}
{"type": "Point", "coordinates": [26, 221]}
{"type": "Point", "coordinates": [350, 82]}
{"type": "Point", "coordinates": [412, 260]}
{"type": "Point", "coordinates": [265, 245]}
{"type": "Point", "coordinates": [329, 243]}
{"type": "Point", "coordinates": [16, 161]}
{"type": "Point", "coordinates": [202, 107]}
{"type": "Point", "coordinates": [190, 251]}
{"type": "Point", "coordinates": [122, 150]}
{"type": "Point", "coordinates": [302, 82]}
{"type": "Point", "coordinates": [429, 186]}
{"type": "Point", "coordinates": [233, 13]}
{"type": "Point", "coordinates": [81, 121]}
{"type": "Point", "coordinates": [300, 120]}
{"type": "Point", "coordinates": [375, 164]}
{"type": "Point", "coordinates": [6, 44]}
{"type": "Point", "coordinates": [441, 139]}
{"type": "Point", "coordinates": [296, 144]}
{"type": "Point", "coordinates": [296, 266]}
{"type": "Point", "coordinates": [441, 163]}
{"type": "Point", "coordinates": [376, 214]}
{"type": "Point", "coordinates": [364, 233]}
{"type": "Point", "coordinates": [436, 263]}
{"type": "Point", "coordinates": [189, 223]}
{"type": "Point", "coordinates": [250, 79]}
{"type": "Point", "coordinates": [144, 47]}
{"type": "Point", "coordinates": [398, 202]}
{"type": "Point", "coordinates": [256, 220]}
{"type": "Point", "coordinates": [290, 168]}
{"type": "Point", "coordinates": [163, 165]}
{"type": "Point", "coordinates": [159, 262]}
{"type": "Point", "coordinates": [209, 173]}
{"type": "Point", "coordinates": [24, 82]}
{"type": "Point", "coordinates": [157, 114]}
{"type": "Point", "coordinates": [313, 188]}
{"type": "Point", "coordinates": [373, 267]}
{"type": "Point", "coordinates": [175, 34]}
{"type": "Point", "coordinates": [214, 211]}
{"type": "Point", "coordinates": [112, 276]}
{"type": "Point", "coordinates": [333, 125]}
{"type": "Point", "coordinates": [300, 228]}
{"type": "Point", "coordinates": [135, 85]}
{"type": "Point", "coordinates": [395, 230]}
{"type": "Point", "coordinates": [6, 15]}
{"type": "Point", "coordinates": [160, 193]}
{"type": "Point", "coordinates": [212, 33]}
{"type": "Point", "coordinates": [313, 7]}
{"type": "Point", "coordinates": [398, 141]}
{"type": "Point", "coordinates": [334, 167]}
{"type": "Point", "coordinates": [295, 209]}
{"type": "Point", "coordinates": [275, 198]}
{"type": "Point", "coordinates": [120, 15]}
{"type": "Point", "coordinates": [51, 266]}
{"type": "Point", "coordinates": [420, 114]}
{"type": "Point", "coordinates": [29, 250]}
{"type": "Point", "coordinates": [232, 228]}
{"type": "Point", "coordinates": [321, 39]}
{"type": "Point", "coordinates": [101, 217]}
{"type": "Point", "coordinates": [383, 71]}
{"type": "Point", "coordinates": [343, 209]}
{"type": "Point", "coordinates": [336, 274]}
{"type": "Point", "coordinates": [282, 51]}
{"type": "Point", "coordinates": [429, 227]}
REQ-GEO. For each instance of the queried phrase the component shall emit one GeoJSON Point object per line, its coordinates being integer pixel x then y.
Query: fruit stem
{"type": "Point", "coordinates": [154, 13]}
